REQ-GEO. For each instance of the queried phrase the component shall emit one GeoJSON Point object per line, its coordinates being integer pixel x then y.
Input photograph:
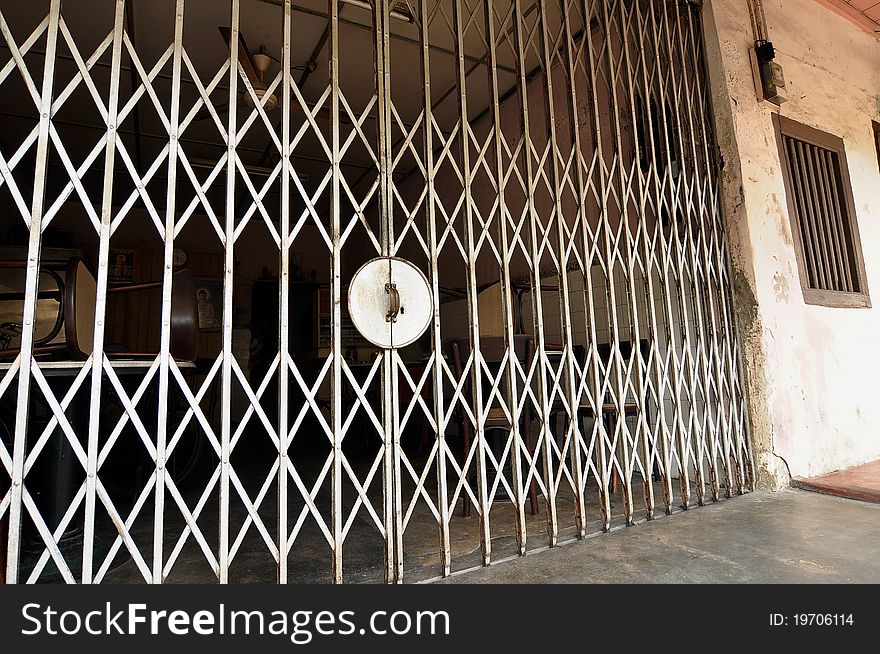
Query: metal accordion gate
{"type": "Point", "coordinates": [533, 183]}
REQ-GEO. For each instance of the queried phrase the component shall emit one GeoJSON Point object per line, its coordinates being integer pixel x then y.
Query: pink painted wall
{"type": "Point", "coordinates": [812, 371]}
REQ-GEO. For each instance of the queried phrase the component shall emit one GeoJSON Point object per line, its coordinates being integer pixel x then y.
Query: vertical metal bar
{"type": "Point", "coordinates": [697, 342]}
{"type": "Point", "coordinates": [819, 218]}
{"type": "Point", "coordinates": [615, 362]}
{"type": "Point", "coordinates": [685, 324]}
{"type": "Point", "coordinates": [812, 201]}
{"type": "Point", "coordinates": [803, 214]}
{"type": "Point", "coordinates": [434, 278]}
{"type": "Point", "coordinates": [167, 281]}
{"type": "Point", "coordinates": [649, 148]}
{"type": "Point", "coordinates": [835, 256]}
{"type": "Point", "coordinates": [29, 311]}
{"type": "Point", "coordinates": [101, 298]}
{"type": "Point", "coordinates": [511, 391]}
{"type": "Point", "coordinates": [595, 372]}
{"type": "Point", "coordinates": [840, 217]}
{"type": "Point", "coordinates": [228, 283]}
{"type": "Point", "coordinates": [335, 297]}
{"type": "Point", "coordinates": [641, 399]}
{"type": "Point", "coordinates": [829, 205]}
{"type": "Point", "coordinates": [812, 217]}
{"type": "Point", "coordinates": [653, 189]}
{"type": "Point", "coordinates": [383, 126]}
{"type": "Point", "coordinates": [578, 438]}
{"type": "Point", "coordinates": [284, 295]}
{"type": "Point", "coordinates": [661, 428]}
{"type": "Point", "coordinates": [472, 289]}
{"type": "Point", "coordinates": [680, 431]}
{"type": "Point", "coordinates": [393, 363]}
{"type": "Point", "coordinates": [537, 300]}
{"type": "Point", "coordinates": [569, 387]}
{"type": "Point", "coordinates": [681, 207]}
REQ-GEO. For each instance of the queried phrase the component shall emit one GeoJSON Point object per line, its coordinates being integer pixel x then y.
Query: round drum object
{"type": "Point", "coordinates": [390, 303]}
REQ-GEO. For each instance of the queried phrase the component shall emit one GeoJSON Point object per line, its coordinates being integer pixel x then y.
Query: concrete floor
{"type": "Point", "coordinates": [788, 537]}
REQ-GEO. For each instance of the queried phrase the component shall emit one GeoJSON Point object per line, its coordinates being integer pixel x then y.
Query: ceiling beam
{"type": "Point", "coordinates": [369, 28]}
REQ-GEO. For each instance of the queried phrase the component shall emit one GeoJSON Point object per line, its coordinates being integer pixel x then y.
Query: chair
{"type": "Point", "coordinates": [51, 287]}
{"type": "Point", "coordinates": [492, 349]}
{"type": "Point", "coordinates": [184, 339]}
{"type": "Point", "coordinates": [76, 293]}
{"type": "Point", "coordinates": [610, 411]}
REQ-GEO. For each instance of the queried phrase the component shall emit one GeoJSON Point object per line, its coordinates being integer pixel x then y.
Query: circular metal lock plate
{"type": "Point", "coordinates": [389, 301]}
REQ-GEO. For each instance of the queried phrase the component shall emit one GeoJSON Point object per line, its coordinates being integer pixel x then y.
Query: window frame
{"type": "Point", "coordinates": [814, 296]}
{"type": "Point", "coordinates": [875, 128]}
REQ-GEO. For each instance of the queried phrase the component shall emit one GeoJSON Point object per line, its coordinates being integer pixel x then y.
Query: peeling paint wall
{"type": "Point", "coordinates": [812, 372]}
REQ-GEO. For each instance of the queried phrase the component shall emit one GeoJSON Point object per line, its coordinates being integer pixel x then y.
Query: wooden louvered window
{"type": "Point", "coordinates": [822, 213]}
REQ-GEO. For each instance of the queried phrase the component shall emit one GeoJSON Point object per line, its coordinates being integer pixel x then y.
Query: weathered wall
{"type": "Point", "coordinates": [811, 370]}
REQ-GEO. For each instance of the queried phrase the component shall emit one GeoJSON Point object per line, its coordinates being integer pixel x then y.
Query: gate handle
{"type": "Point", "coordinates": [395, 307]}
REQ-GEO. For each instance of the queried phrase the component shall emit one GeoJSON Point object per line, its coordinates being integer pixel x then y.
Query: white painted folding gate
{"type": "Point", "coordinates": [560, 152]}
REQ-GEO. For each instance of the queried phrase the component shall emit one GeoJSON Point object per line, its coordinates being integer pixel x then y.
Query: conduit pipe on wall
{"type": "Point", "coordinates": [769, 76]}
{"type": "Point", "coordinates": [759, 21]}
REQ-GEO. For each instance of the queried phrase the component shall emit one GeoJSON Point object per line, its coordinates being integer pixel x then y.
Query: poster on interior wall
{"type": "Point", "coordinates": [121, 267]}
{"type": "Point", "coordinates": [209, 294]}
